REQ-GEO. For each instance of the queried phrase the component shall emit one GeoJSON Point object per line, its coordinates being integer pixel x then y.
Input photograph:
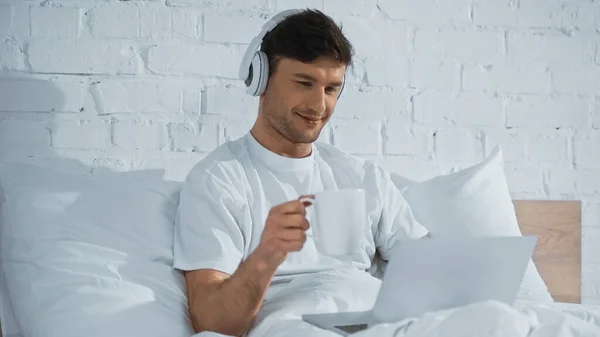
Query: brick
{"type": "Point", "coordinates": [136, 135]}
{"type": "Point", "coordinates": [573, 182]}
{"type": "Point", "coordinates": [535, 14]}
{"type": "Point", "coordinates": [190, 137]}
{"type": "Point", "coordinates": [349, 7]}
{"type": "Point", "coordinates": [58, 95]}
{"type": "Point", "coordinates": [230, 100]}
{"type": "Point", "coordinates": [509, 78]}
{"type": "Point", "coordinates": [433, 73]}
{"type": "Point", "coordinates": [187, 23]}
{"type": "Point", "coordinates": [155, 21]}
{"type": "Point", "coordinates": [412, 167]}
{"type": "Point", "coordinates": [221, 5]}
{"type": "Point", "coordinates": [465, 109]}
{"type": "Point", "coordinates": [24, 136]}
{"type": "Point", "coordinates": [587, 149]}
{"type": "Point", "coordinates": [551, 49]}
{"type": "Point", "coordinates": [357, 137]}
{"type": "Point", "coordinates": [540, 14]}
{"type": "Point", "coordinates": [427, 11]}
{"type": "Point", "coordinates": [326, 134]}
{"type": "Point", "coordinates": [232, 28]}
{"type": "Point", "coordinates": [11, 55]}
{"type": "Point", "coordinates": [495, 13]}
{"type": "Point", "coordinates": [208, 60]}
{"type": "Point", "coordinates": [582, 16]}
{"type": "Point", "coordinates": [400, 139]}
{"type": "Point", "coordinates": [107, 167]}
{"type": "Point", "coordinates": [551, 148]}
{"type": "Point", "coordinates": [56, 22]}
{"type": "Point", "coordinates": [81, 134]}
{"type": "Point", "coordinates": [590, 277]}
{"type": "Point", "coordinates": [138, 96]}
{"type": "Point", "coordinates": [115, 20]}
{"type": "Point", "coordinates": [548, 111]}
{"type": "Point", "coordinates": [590, 237]}
{"type": "Point", "coordinates": [67, 164]}
{"type": "Point", "coordinates": [21, 19]}
{"type": "Point", "coordinates": [458, 145]}
{"type": "Point", "coordinates": [590, 214]}
{"type": "Point", "coordinates": [374, 104]}
{"type": "Point", "coordinates": [192, 100]}
{"type": "Point", "coordinates": [576, 80]}
{"type": "Point", "coordinates": [470, 46]}
{"type": "Point", "coordinates": [175, 165]}
{"type": "Point", "coordinates": [396, 38]}
{"type": "Point", "coordinates": [235, 130]}
{"type": "Point", "coordinates": [387, 70]}
{"type": "Point", "coordinates": [524, 181]}
{"type": "Point", "coordinates": [596, 114]}
{"type": "Point", "coordinates": [514, 143]}
{"type": "Point", "coordinates": [5, 19]}
{"type": "Point", "coordinates": [281, 5]}
{"type": "Point", "coordinates": [365, 37]}
{"type": "Point", "coordinates": [84, 57]}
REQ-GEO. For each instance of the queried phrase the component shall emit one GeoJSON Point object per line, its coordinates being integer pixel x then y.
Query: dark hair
{"type": "Point", "coordinates": [306, 36]}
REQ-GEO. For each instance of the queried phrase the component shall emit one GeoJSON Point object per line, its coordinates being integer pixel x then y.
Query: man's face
{"type": "Point", "coordinates": [301, 97]}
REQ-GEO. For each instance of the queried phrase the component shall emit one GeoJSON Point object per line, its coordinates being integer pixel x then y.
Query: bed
{"type": "Point", "coordinates": [101, 259]}
{"type": "Point", "coordinates": [557, 225]}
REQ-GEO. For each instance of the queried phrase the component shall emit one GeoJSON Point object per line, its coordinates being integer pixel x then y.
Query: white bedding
{"type": "Point", "coordinates": [355, 291]}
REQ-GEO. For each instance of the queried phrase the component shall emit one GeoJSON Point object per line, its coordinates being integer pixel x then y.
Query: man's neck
{"type": "Point", "coordinates": [275, 142]}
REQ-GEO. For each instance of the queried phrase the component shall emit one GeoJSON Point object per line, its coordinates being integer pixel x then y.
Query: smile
{"type": "Point", "coordinates": [310, 119]}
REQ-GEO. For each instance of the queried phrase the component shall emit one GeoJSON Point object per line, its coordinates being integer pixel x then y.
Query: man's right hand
{"type": "Point", "coordinates": [285, 230]}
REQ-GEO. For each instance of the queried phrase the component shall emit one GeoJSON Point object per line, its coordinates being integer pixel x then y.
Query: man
{"type": "Point", "coordinates": [241, 228]}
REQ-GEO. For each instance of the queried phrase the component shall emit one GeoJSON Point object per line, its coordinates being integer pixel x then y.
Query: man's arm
{"type": "Point", "coordinates": [228, 304]}
{"type": "Point", "coordinates": [397, 221]}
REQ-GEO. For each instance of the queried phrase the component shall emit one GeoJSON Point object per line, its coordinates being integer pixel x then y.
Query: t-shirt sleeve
{"type": "Point", "coordinates": [208, 232]}
{"type": "Point", "coordinates": [397, 221]}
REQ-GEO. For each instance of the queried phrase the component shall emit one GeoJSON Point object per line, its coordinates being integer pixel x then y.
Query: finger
{"type": "Point", "coordinates": [292, 235]}
{"type": "Point", "coordinates": [290, 207]}
{"type": "Point", "coordinates": [307, 199]}
{"type": "Point", "coordinates": [297, 221]}
{"type": "Point", "coordinates": [292, 246]}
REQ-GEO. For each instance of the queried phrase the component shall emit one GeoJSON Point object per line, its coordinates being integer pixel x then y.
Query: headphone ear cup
{"type": "Point", "coordinates": [259, 74]}
{"type": "Point", "coordinates": [342, 87]}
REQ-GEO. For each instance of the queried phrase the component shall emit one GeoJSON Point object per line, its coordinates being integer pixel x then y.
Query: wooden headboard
{"type": "Point", "coordinates": [557, 225]}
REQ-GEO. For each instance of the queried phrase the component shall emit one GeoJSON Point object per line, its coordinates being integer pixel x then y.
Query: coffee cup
{"type": "Point", "coordinates": [338, 221]}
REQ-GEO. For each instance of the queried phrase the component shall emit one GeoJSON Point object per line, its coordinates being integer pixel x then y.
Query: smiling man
{"type": "Point", "coordinates": [241, 228]}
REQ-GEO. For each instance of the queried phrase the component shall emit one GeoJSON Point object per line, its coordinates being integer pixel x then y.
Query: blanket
{"type": "Point", "coordinates": [350, 290]}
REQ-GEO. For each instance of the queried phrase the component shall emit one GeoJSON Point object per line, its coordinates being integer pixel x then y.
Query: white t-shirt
{"type": "Point", "coordinates": [227, 196]}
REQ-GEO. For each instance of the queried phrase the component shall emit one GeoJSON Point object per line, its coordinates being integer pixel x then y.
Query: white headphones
{"type": "Point", "coordinates": [254, 69]}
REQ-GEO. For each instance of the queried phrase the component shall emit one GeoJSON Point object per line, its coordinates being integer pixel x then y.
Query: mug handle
{"type": "Point", "coordinates": [308, 200]}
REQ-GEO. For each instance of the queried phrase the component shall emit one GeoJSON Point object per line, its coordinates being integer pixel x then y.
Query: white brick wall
{"type": "Point", "coordinates": [124, 85]}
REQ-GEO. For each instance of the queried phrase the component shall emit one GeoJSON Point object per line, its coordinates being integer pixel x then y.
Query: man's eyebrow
{"type": "Point", "coordinates": [310, 78]}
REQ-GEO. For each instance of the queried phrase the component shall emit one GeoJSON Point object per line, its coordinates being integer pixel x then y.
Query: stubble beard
{"type": "Point", "coordinates": [281, 122]}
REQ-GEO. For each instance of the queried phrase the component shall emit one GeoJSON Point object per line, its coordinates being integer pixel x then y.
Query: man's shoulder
{"type": "Point", "coordinates": [223, 163]}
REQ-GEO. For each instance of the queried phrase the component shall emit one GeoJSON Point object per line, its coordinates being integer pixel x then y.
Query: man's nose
{"type": "Point", "coordinates": [318, 101]}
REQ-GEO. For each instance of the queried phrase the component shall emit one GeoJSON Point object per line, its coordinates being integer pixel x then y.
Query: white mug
{"type": "Point", "coordinates": [338, 221]}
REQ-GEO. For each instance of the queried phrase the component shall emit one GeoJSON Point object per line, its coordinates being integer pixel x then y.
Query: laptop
{"type": "Point", "coordinates": [436, 274]}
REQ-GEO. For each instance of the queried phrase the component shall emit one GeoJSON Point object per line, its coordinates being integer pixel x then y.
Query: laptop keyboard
{"type": "Point", "coordinates": [352, 328]}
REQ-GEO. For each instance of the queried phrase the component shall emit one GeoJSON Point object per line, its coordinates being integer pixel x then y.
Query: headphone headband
{"type": "Point", "coordinates": [254, 68]}
{"type": "Point", "coordinates": [257, 41]}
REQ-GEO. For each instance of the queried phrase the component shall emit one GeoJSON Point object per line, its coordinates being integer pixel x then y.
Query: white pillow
{"type": "Point", "coordinates": [472, 202]}
{"type": "Point", "coordinates": [90, 257]}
